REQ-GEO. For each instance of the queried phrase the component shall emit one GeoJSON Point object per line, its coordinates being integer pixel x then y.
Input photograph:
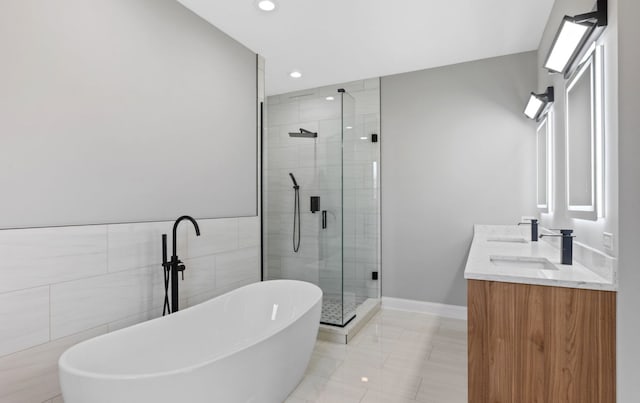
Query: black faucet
{"type": "Point", "coordinates": [567, 245]}
{"type": "Point", "coordinates": [534, 228]}
{"type": "Point", "coordinates": [174, 266]}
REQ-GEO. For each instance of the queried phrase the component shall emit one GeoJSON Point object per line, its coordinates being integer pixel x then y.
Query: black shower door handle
{"type": "Point", "coordinates": [324, 219]}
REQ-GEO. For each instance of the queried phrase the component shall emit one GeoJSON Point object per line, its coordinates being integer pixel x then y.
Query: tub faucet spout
{"type": "Point", "coordinates": [176, 265]}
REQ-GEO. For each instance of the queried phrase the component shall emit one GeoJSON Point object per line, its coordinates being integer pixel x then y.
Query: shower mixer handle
{"type": "Point", "coordinates": [180, 269]}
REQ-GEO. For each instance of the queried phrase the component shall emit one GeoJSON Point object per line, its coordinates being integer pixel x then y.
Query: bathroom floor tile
{"type": "Point", "coordinates": [334, 350]}
{"type": "Point", "coordinates": [322, 365]}
{"type": "Point", "coordinates": [310, 387]}
{"type": "Point", "coordinates": [338, 392]}
{"type": "Point", "coordinates": [398, 357]}
{"type": "Point", "coordinates": [376, 396]}
{"type": "Point", "coordinates": [294, 399]}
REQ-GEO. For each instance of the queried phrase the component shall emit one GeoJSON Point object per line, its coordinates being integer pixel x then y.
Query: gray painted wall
{"type": "Point", "coordinates": [120, 111]}
{"type": "Point", "coordinates": [629, 268]}
{"type": "Point", "coordinates": [456, 151]}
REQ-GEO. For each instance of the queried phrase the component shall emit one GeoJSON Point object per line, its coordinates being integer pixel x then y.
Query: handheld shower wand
{"type": "Point", "coordinates": [293, 178]}
{"type": "Point", "coordinates": [296, 214]}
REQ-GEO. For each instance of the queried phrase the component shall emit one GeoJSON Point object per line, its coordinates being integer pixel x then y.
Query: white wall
{"type": "Point", "coordinates": [628, 12]}
{"type": "Point", "coordinates": [118, 111]}
{"type": "Point", "coordinates": [62, 285]}
{"type": "Point", "coordinates": [456, 151]}
{"type": "Point", "coordinates": [587, 232]}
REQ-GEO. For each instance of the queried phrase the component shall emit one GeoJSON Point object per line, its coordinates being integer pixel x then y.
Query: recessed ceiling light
{"type": "Point", "coordinates": [266, 5]}
{"type": "Point", "coordinates": [329, 98]}
{"type": "Point", "coordinates": [295, 74]}
{"type": "Point", "coordinates": [364, 379]}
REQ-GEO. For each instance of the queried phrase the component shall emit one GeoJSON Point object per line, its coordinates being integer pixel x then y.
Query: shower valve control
{"type": "Point", "coordinates": [315, 203]}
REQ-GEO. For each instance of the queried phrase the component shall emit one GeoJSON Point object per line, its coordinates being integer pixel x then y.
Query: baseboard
{"type": "Point", "coordinates": [447, 311]}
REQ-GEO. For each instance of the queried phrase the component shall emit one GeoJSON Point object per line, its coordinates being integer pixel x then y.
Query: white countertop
{"type": "Point", "coordinates": [481, 267]}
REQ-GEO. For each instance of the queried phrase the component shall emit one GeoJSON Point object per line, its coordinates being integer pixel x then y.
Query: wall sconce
{"type": "Point", "coordinates": [573, 34]}
{"type": "Point", "coordinates": [538, 104]}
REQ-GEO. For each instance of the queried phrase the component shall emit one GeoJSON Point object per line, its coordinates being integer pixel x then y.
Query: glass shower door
{"type": "Point", "coordinates": [329, 173]}
{"type": "Point", "coordinates": [339, 301]}
{"type": "Point", "coordinates": [349, 244]}
{"type": "Point", "coordinates": [306, 154]}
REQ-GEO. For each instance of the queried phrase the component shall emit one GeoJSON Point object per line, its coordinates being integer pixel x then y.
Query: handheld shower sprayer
{"type": "Point", "coordinates": [296, 214]}
{"type": "Point", "coordinates": [293, 178]}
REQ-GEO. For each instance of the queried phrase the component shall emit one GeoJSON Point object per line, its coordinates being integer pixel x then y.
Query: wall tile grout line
{"type": "Point", "coordinates": [110, 273]}
{"type": "Point", "coordinates": [106, 241]}
{"type": "Point", "coordinates": [71, 335]}
{"type": "Point", "coordinates": [50, 331]}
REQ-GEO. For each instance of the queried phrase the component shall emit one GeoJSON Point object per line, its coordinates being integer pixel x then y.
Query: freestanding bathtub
{"type": "Point", "coordinates": [249, 345]}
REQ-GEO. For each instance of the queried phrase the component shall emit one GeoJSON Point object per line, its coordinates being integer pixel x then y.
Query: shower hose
{"type": "Point", "coordinates": [166, 309]}
{"type": "Point", "coordinates": [296, 219]}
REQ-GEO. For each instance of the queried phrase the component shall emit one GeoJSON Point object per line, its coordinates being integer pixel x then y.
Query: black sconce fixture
{"type": "Point", "coordinates": [572, 36]}
{"type": "Point", "coordinates": [538, 104]}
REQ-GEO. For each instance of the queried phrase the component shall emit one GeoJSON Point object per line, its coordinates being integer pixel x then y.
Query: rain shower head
{"type": "Point", "coordinates": [304, 134]}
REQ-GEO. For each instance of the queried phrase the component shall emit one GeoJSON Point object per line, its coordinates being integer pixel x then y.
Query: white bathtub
{"type": "Point", "coordinates": [249, 345]}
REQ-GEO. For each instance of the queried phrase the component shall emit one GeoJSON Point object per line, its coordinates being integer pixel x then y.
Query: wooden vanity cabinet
{"type": "Point", "coordinates": [542, 344]}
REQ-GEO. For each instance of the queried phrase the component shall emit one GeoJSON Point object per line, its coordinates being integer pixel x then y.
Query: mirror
{"type": "Point", "coordinates": [543, 163]}
{"type": "Point", "coordinates": [583, 138]}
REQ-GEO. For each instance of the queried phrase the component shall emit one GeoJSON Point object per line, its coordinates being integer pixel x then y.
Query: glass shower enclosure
{"type": "Point", "coordinates": [314, 144]}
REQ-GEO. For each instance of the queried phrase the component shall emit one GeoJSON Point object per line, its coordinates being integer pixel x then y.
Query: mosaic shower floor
{"type": "Point", "coordinates": [332, 310]}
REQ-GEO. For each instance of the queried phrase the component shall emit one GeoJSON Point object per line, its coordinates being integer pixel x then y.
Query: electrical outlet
{"type": "Point", "coordinates": [607, 241]}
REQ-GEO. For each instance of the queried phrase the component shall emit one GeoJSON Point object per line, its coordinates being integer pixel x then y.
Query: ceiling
{"type": "Point", "coordinates": [334, 41]}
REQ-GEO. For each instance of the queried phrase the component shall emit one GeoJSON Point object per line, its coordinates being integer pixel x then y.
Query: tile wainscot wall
{"type": "Point", "coordinates": [64, 285]}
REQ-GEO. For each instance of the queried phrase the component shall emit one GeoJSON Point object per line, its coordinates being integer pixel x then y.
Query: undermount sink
{"type": "Point", "coordinates": [516, 239]}
{"type": "Point", "coordinates": [523, 262]}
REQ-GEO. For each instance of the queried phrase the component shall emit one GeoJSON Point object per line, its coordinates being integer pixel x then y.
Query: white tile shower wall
{"type": "Point", "coordinates": [63, 285]}
{"type": "Point", "coordinates": [317, 167]}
